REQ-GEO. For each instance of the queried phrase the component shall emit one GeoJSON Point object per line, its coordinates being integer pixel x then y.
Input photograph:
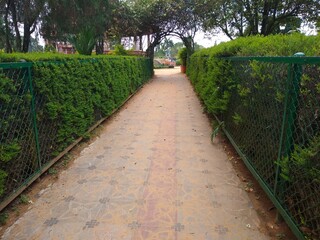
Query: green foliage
{"type": "Point", "coordinates": [3, 218]}
{"type": "Point", "coordinates": [50, 48]}
{"type": "Point", "coordinates": [84, 41]}
{"type": "Point", "coordinates": [240, 18]}
{"type": "Point", "coordinates": [3, 176]}
{"type": "Point", "coordinates": [9, 151]}
{"type": "Point", "coordinates": [237, 119]}
{"type": "Point", "coordinates": [71, 94]}
{"type": "Point", "coordinates": [213, 81]}
{"type": "Point", "coordinates": [76, 93]}
{"type": "Point", "coordinates": [216, 130]}
{"type": "Point", "coordinates": [273, 45]}
{"type": "Point", "coordinates": [214, 78]}
{"type": "Point", "coordinates": [53, 171]}
{"type": "Point", "coordinates": [86, 21]}
{"type": "Point", "coordinates": [250, 97]}
{"type": "Point", "coordinates": [119, 50]}
{"type": "Point", "coordinates": [24, 199]}
{"type": "Point", "coordinates": [183, 56]}
{"type": "Point", "coordinates": [306, 158]}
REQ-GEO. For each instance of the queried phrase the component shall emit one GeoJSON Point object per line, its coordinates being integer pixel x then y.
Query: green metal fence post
{"type": "Point", "coordinates": [34, 117]}
{"type": "Point", "coordinates": [286, 145]}
{"type": "Point", "coordinates": [287, 181]}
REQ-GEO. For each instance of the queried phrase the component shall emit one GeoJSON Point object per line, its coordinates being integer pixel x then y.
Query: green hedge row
{"type": "Point", "coordinates": [213, 77]}
{"type": "Point", "coordinates": [48, 56]}
{"type": "Point", "coordinates": [71, 94]}
{"type": "Point", "coordinates": [249, 96]}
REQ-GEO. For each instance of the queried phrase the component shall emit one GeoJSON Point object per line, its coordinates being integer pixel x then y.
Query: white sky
{"type": "Point", "coordinates": [206, 40]}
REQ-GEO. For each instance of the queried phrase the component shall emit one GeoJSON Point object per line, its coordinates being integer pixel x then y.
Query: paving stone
{"type": "Point", "coordinates": [153, 173]}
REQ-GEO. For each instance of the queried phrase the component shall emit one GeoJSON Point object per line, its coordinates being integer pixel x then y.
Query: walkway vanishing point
{"type": "Point", "coordinates": [153, 173]}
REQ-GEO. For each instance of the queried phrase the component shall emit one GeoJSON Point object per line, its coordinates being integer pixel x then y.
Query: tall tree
{"type": "Point", "coordinates": [188, 21]}
{"type": "Point", "coordinates": [78, 21]}
{"type": "Point", "coordinates": [251, 17]}
{"type": "Point", "coordinates": [25, 13]}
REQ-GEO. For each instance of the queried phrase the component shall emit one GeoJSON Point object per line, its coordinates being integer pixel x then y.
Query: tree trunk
{"type": "Point", "coordinates": [135, 43]}
{"type": "Point", "coordinates": [148, 40]}
{"type": "Point", "coordinates": [189, 43]}
{"type": "Point", "coordinates": [15, 24]}
{"type": "Point", "coordinates": [99, 46]}
{"type": "Point", "coordinates": [151, 46]}
{"type": "Point", "coordinates": [140, 43]}
{"type": "Point", "coordinates": [8, 44]}
{"type": "Point", "coordinates": [26, 38]}
{"type": "Point", "coordinates": [150, 54]}
{"type": "Point", "coordinates": [265, 16]}
{"type": "Point", "coordinates": [256, 18]}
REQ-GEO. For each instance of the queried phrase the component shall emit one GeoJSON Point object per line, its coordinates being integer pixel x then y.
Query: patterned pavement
{"type": "Point", "coordinates": [152, 174]}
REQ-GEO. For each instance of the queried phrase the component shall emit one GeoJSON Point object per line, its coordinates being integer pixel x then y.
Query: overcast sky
{"type": "Point", "coordinates": [206, 40]}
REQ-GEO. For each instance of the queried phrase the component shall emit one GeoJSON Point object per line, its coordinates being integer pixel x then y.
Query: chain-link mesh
{"type": "Point", "coordinates": [273, 118]}
{"type": "Point", "coordinates": [29, 138]}
{"type": "Point", "coordinates": [18, 154]}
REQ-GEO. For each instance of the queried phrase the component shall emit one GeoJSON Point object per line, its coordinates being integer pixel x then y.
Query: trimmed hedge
{"type": "Point", "coordinates": [213, 77]}
{"type": "Point", "coordinates": [71, 94]}
{"type": "Point", "coordinates": [250, 98]}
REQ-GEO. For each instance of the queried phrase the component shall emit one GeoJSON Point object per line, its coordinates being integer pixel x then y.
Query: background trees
{"type": "Point", "coordinates": [251, 17]}
{"type": "Point", "coordinates": [87, 23]}
{"type": "Point", "coordinates": [20, 14]}
{"type": "Point", "coordinates": [78, 22]}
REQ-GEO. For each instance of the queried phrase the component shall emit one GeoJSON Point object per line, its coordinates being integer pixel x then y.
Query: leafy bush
{"type": "Point", "coordinates": [70, 94]}
{"type": "Point", "coordinates": [250, 97]}
{"type": "Point", "coordinates": [213, 77]}
{"type": "Point", "coordinates": [84, 41]}
{"type": "Point", "coordinates": [52, 56]}
{"type": "Point", "coordinates": [119, 50]}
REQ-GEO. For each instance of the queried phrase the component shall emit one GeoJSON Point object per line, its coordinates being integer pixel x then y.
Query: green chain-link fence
{"type": "Point", "coordinates": [18, 137]}
{"type": "Point", "coordinates": [273, 120]}
{"type": "Point", "coordinates": [29, 135]}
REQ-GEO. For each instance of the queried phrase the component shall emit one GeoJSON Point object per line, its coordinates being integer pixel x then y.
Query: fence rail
{"type": "Point", "coordinates": [273, 121]}
{"type": "Point", "coordinates": [32, 136]}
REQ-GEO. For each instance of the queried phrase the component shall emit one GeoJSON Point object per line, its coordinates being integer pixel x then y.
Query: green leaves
{"type": "Point", "coordinates": [84, 41]}
{"type": "Point", "coordinates": [183, 56]}
{"type": "Point", "coordinates": [70, 95]}
{"type": "Point", "coordinates": [9, 151]}
{"type": "Point", "coordinates": [78, 93]}
{"type": "Point", "coordinates": [216, 130]}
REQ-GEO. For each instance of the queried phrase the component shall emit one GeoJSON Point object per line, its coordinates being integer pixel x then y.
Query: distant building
{"type": "Point", "coordinates": [65, 48]}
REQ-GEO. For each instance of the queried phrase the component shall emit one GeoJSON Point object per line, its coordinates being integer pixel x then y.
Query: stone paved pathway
{"type": "Point", "coordinates": [152, 174]}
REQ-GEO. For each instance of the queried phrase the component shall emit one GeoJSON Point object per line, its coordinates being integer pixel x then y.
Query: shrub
{"type": "Point", "coordinates": [250, 97]}
{"type": "Point", "coordinates": [71, 94]}
{"type": "Point", "coordinates": [119, 50]}
{"type": "Point", "coordinates": [183, 56]}
{"type": "Point", "coordinates": [213, 77]}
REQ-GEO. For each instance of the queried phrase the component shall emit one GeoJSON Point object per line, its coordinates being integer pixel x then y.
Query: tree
{"type": "Point", "coordinates": [35, 46]}
{"type": "Point", "coordinates": [2, 34]}
{"type": "Point", "coordinates": [161, 18]}
{"type": "Point", "coordinates": [152, 18]}
{"type": "Point", "coordinates": [165, 46]}
{"type": "Point", "coordinates": [25, 13]}
{"type": "Point", "coordinates": [124, 21]}
{"type": "Point", "coordinates": [250, 17]}
{"type": "Point", "coordinates": [77, 21]}
{"type": "Point", "coordinates": [188, 21]}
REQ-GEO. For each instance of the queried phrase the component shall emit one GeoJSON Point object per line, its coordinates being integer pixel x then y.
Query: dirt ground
{"type": "Point", "coordinates": [277, 230]}
{"type": "Point", "coordinates": [263, 206]}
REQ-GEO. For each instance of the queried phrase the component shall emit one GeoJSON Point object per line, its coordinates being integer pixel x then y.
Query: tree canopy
{"type": "Point", "coordinates": [252, 17]}
{"type": "Point", "coordinates": [86, 23]}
